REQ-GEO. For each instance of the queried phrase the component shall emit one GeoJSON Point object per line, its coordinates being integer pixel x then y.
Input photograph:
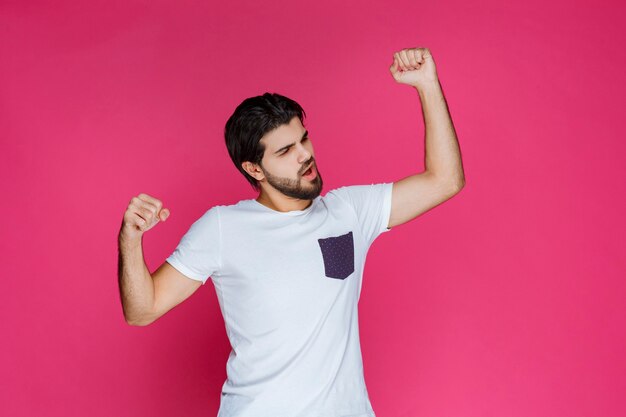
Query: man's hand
{"type": "Point", "coordinates": [414, 67]}
{"type": "Point", "coordinates": [142, 214]}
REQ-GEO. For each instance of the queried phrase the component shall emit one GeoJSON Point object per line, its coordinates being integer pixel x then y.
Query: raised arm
{"type": "Point", "coordinates": [443, 176]}
{"type": "Point", "coordinates": [145, 297]}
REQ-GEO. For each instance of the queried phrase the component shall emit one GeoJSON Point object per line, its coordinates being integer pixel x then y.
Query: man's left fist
{"type": "Point", "coordinates": [414, 67]}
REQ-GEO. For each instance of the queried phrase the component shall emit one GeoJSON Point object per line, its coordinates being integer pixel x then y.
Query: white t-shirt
{"type": "Point", "coordinates": [288, 284]}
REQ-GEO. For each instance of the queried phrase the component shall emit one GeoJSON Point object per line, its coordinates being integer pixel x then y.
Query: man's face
{"type": "Point", "coordinates": [288, 155]}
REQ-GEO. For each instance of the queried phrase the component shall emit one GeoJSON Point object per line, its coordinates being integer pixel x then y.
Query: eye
{"type": "Point", "coordinates": [288, 149]}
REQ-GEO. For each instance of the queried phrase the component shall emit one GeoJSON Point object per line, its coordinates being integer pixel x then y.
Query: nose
{"type": "Point", "coordinates": [304, 154]}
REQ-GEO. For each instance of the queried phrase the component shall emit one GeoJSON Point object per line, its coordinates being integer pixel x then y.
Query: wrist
{"type": "Point", "coordinates": [428, 89]}
{"type": "Point", "coordinates": [128, 241]}
{"type": "Point", "coordinates": [428, 85]}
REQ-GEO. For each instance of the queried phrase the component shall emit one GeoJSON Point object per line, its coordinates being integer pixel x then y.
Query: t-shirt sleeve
{"type": "Point", "coordinates": [197, 255]}
{"type": "Point", "coordinates": [372, 205]}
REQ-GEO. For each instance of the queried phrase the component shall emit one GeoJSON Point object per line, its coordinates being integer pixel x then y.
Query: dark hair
{"type": "Point", "coordinates": [252, 119]}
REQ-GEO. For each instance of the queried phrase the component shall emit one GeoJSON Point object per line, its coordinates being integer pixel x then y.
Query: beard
{"type": "Point", "coordinates": [296, 188]}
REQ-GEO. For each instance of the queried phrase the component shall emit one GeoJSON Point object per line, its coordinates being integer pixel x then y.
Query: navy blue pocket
{"type": "Point", "coordinates": [338, 254]}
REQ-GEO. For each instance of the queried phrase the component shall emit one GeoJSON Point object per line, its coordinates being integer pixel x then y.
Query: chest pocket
{"type": "Point", "coordinates": [338, 254]}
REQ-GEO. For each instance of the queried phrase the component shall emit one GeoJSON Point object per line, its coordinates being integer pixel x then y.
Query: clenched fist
{"type": "Point", "coordinates": [414, 67]}
{"type": "Point", "coordinates": [142, 214]}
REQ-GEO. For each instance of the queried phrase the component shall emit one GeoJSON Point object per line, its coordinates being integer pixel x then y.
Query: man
{"type": "Point", "coordinates": [288, 265]}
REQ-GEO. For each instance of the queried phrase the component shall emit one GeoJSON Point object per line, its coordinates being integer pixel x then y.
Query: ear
{"type": "Point", "coordinates": [253, 170]}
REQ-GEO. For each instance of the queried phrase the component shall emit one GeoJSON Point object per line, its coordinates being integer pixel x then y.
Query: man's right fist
{"type": "Point", "coordinates": [142, 214]}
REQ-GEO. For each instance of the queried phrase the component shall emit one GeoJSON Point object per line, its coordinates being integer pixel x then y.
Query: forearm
{"type": "Point", "coordinates": [441, 151]}
{"type": "Point", "coordinates": [135, 282]}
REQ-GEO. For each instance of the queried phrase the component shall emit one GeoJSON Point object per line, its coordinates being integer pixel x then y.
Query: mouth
{"type": "Point", "coordinates": [310, 173]}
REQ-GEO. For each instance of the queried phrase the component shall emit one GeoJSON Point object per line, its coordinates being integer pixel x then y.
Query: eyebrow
{"type": "Point", "coordinates": [306, 132]}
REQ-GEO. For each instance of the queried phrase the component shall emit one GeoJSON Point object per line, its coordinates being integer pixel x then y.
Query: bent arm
{"type": "Point", "coordinates": [443, 176]}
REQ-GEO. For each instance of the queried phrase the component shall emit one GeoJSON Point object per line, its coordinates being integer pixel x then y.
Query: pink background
{"type": "Point", "coordinates": [507, 300]}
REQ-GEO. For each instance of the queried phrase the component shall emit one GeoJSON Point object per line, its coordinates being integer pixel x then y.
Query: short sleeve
{"type": "Point", "coordinates": [197, 255]}
{"type": "Point", "coordinates": [372, 205]}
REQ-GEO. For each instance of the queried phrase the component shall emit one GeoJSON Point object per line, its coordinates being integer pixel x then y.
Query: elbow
{"type": "Point", "coordinates": [459, 184]}
{"type": "Point", "coordinates": [458, 181]}
{"type": "Point", "coordinates": [135, 323]}
{"type": "Point", "coordinates": [455, 185]}
{"type": "Point", "coordinates": [451, 183]}
{"type": "Point", "coordinates": [131, 321]}
{"type": "Point", "coordinates": [138, 321]}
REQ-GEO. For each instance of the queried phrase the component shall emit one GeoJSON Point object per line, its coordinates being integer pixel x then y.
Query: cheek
{"type": "Point", "coordinates": [287, 167]}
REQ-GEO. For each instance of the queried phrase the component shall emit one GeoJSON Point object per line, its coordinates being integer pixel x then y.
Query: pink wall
{"type": "Point", "coordinates": [507, 300]}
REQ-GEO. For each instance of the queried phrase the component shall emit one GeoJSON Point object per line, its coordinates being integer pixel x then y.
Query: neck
{"type": "Point", "coordinates": [280, 202]}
